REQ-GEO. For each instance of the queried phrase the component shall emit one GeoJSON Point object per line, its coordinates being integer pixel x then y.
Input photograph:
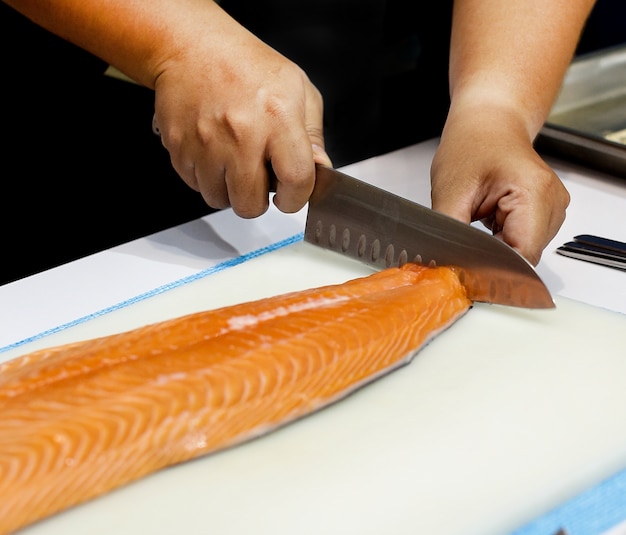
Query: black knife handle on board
{"type": "Point", "coordinates": [597, 250]}
{"type": "Point", "coordinates": [602, 243]}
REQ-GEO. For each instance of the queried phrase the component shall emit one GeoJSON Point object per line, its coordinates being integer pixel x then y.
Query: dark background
{"type": "Point", "coordinates": [82, 170]}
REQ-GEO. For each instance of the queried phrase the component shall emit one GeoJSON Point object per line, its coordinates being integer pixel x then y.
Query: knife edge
{"type": "Point", "coordinates": [381, 229]}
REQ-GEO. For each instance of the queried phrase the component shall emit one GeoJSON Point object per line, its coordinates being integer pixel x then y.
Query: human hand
{"type": "Point", "coordinates": [232, 112]}
{"type": "Point", "coordinates": [485, 168]}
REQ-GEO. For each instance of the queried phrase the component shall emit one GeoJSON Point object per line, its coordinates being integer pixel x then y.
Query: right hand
{"type": "Point", "coordinates": [227, 107]}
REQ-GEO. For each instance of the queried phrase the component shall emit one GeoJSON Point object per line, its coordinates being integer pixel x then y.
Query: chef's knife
{"type": "Point", "coordinates": [381, 229]}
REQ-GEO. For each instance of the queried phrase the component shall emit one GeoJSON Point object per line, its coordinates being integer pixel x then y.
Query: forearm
{"type": "Point", "coordinates": [138, 37]}
{"type": "Point", "coordinates": [513, 54]}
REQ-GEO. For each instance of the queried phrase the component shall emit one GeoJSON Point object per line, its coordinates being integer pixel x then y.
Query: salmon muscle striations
{"type": "Point", "coordinates": [79, 420]}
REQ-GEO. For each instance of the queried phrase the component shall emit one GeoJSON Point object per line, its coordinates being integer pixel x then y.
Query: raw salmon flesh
{"type": "Point", "coordinates": [79, 420]}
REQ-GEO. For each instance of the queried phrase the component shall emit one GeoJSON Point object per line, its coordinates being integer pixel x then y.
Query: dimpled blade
{"type": "Point", "coordinates": [378, 228]}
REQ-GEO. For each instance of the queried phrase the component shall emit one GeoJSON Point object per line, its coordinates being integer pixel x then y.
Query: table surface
{"type": "Point", "coordinates": [47, 302]}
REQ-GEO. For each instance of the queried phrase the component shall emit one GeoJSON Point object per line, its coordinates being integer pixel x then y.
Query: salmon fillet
{"type": "Point", "coordinates": [79, 420]}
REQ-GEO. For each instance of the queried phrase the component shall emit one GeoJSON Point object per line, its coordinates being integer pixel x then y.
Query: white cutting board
{"type": "Point", "coordinates": [504, 416]}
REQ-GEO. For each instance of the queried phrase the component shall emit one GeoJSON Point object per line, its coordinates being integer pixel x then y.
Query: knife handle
{"type": "Point", "coordinates": [597, 250]}
{"type": "Point", "coordinates": [602, 243]}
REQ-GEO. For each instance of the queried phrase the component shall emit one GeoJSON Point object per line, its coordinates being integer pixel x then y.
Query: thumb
{"type": "Point", "coordinates": [320, 155]}
{"type": "Point", "coordinates": [314, 123]}
{"type": "Point", "coordinates": [449, 204]}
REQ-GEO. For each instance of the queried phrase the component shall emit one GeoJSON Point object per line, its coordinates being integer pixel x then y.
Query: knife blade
{"type": "Point", "coordinates": [381, 229]}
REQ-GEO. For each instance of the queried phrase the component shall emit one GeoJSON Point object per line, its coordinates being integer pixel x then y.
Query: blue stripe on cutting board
{"type": "Point", "coordinates": [590, 513]}
{"type": "Point", "coordinates": [593, 512]}
{"type": "Point", "coordinates": [161, 289]}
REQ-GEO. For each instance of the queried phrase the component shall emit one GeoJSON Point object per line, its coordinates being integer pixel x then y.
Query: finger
{"type": "Point", "coordinates": [196, 164]}
{"type": "Point", "coordinates": [523, 225]}
{"type": "Point", "coordinates": [315, 131]}
{"type": "Point", "coordinates": [248, 183]}
{"type": "Point", "coordinates": [155, 126]}
{"type": "Point", "coordinates": [293, 158]}
{"type": "Point", "coordinates": [528, 243]}
{"type": "Point", "coordinates": [314, 125]}
{"type": "Point", "coordinates": [529, 222]}
{"type": "Point", "coordinates": [294, 167]}
{"type": "Point", "coordinates": [172, 142]}
{"type": "Point", "coordinates": [450, 198]}
{"type": "Point", "coordinates": [321, 156]}
{"type": "Point", "coordinates": [211, 180]}
{"type": "Point", "coordinates": [451, 204]}
{"type": "Point", "coordinates": [225, 175]}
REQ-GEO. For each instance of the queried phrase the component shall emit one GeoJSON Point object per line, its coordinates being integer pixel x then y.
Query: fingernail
{"type": "Point", "coordinates": [320, 155]}
{"type": "Point", "coordinates": [155, 126]}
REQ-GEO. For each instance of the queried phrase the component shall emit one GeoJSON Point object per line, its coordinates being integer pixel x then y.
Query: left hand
{"type": "Point", "coordinates": [487, 169]}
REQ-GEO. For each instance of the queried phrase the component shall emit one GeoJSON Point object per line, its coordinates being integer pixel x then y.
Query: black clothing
{"type": "Point", "coordinates": [381, 65]}
{"type": "Point", "coordinates": [84, 172]}
{"type": "Point", "coordinates": [606, 27]}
